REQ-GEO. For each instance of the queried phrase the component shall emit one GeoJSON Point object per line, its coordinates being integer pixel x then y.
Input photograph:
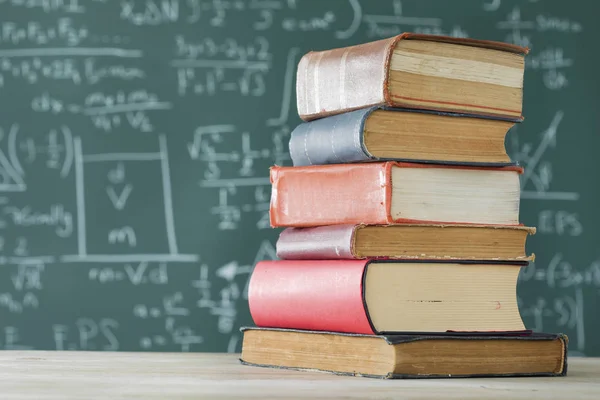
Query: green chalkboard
{"type": "Point", "coordinates": [136, 138]}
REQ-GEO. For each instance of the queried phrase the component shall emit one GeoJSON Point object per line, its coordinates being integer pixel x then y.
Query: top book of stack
{"type": "Point", "coordinates": [416, 71]}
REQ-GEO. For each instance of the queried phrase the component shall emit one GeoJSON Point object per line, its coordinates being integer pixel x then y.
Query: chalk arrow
{"type": "Point", "coordinates": [120, 200]}
{"type": "Point", "coordinates": [230, 270]}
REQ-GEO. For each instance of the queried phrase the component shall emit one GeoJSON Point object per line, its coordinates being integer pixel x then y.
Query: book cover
{"type": "Point", "coordinates": [364, 193]}
{"type": "Point", "coordinates": [406, 356]}
{"type": "Point", "coordinates": [405, 241]}
{"type": "Point", "coordinates": [343, 296]}
{"type": "Point", "coordinates": [340, 138]}
{"type": "Point", "coordinates": [344, 79]}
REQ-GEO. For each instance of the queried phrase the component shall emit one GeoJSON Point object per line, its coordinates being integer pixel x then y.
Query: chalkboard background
{"type": "Point", "coordinates": [136, 138]}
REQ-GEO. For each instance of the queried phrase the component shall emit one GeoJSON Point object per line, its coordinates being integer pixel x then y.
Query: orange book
{"type": "Point", "coordinates": [393, 192]}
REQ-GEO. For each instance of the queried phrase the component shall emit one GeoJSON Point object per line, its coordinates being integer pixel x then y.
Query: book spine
{"type": "Point", "coordinates": [322, 295]}
{"type": "Point", "coordinates": [344, 79]}
{"type": "Point", "coordinates": [331, 140]}
{"type": "Point", "coordinates": [322, 242]}
{"type": "Point", "coordinates": [333, 194]}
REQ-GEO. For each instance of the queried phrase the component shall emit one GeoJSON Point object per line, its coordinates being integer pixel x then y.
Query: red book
{"type": "Point", "coordinates": [373, 297]}
{"type": "Point", "coordinates": [389, 192]}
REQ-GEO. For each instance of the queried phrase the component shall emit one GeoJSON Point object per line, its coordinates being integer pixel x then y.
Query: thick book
{"type": "Point", "coordinates": [381, 296]}
{"type": "Point", "coordinates": [406, 356]}
{"type": "Point", "coordinates": [415, 71]}
{"type": "Point", "coordinates": [390, 192]}
{"type": "Point", "coordinates": [380, 133]}
{"type": "Point", "coordinates": [406, 241]}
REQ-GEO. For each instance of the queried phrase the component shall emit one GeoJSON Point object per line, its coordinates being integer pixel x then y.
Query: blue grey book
{"type": "Point", "coordinates": [381, 133]}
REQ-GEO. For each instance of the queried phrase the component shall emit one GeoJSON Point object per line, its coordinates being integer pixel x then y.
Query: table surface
{"type": "Point", "coordinates": [65, 375]}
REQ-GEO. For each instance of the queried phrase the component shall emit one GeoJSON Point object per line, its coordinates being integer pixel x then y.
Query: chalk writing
{"type": "Point", "coordinates": [12, 339]}
{"type": "Point", "coordinates": [538, 173]}
{"type": "Point", "coordinates": [56, 217]}
{"type": "Point", "coordinates": [560, 223]}
{"type": "Point", "coordinates": [87, 334]}
{"type": "Point", "coordinates": [228, 49]}
{"type": "Point", "coordinates": [67, 6]}
{"type": "Point", "coordinates": [136, 274]}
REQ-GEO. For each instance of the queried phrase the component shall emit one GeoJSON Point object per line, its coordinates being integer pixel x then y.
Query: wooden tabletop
{"type": "Point", "coordinates": [96, 375]}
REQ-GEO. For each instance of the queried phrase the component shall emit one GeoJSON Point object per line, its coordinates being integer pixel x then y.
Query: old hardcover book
{"type": "Point", "coordinates": [406, 356]}
{"type": "Point", "coordinates": [382, 296]}
{"type": "Point", "coordinates": [415, 71]}
{"type": "Point", "coordinates": [406, 241]}
{"type": "Point", "coordinates": [379, 133]}
{"type": "Point", "coordinates": [388, 192]}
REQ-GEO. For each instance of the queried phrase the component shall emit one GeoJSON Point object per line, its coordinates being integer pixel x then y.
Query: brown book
{"type": "Point", "coordinates": [406, 241]}
{"type": "Point", "coordinates": [407, 356]}
{"type": "Point", "coordinates": [415, 71]}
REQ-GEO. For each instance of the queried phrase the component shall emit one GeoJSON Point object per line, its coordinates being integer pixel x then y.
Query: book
{"type": "Point", "coordinates": [406, 241]}
{"type": "Point", "coordinates": [383, 296]}
{"type": "Point", "coordinates": [390, 192]}
{"type": "Point", "coordinates": [380, 133]}
{"type": "Point", "coordinates": [415, 71]}
{"type": "Point", "coordinates": [406, 356]}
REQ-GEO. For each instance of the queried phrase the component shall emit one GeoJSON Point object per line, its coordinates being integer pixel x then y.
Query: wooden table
{"type": "Point", "coordinates": [83, 375]}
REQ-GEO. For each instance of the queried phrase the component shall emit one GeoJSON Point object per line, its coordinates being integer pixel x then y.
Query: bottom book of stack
{"type": "Point", "coordinates": [395, 319]}
{"type": "Point", "coordinates": [406, 356]}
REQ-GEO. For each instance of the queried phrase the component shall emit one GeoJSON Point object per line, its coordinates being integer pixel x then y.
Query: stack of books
{"type": "Point", "coordinates": [402, 245]}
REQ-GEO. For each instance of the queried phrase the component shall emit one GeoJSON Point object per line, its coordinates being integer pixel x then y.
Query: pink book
{"type": "Point", "coordinates": [406, 241]}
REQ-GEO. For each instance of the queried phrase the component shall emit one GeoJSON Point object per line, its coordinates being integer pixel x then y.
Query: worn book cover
{"type": "Point", "coordinates": [413, 70]}
{"type": "Point", "coordinates": [406, 241]}
{"type": "Point", "coordinates": [393, 192]}
{"type": "Point", "coordinates": [380, 133]}
{"type": "Point", "coordinates": [406, 356]}
{"type": "Point", "coordinates": [384, 296]}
